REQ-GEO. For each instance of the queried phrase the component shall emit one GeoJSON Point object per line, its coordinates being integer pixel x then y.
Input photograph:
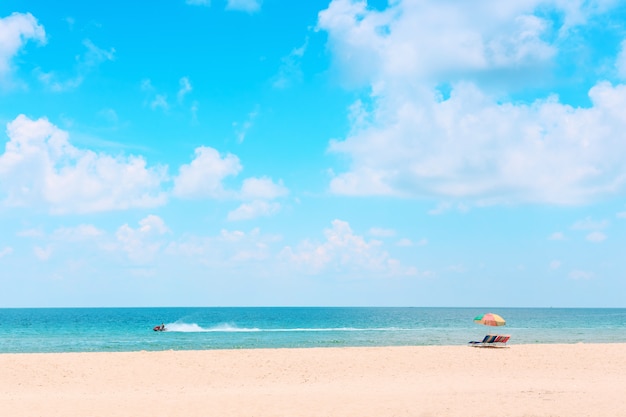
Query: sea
{"type": "Point", "coordinates": [44, 330]}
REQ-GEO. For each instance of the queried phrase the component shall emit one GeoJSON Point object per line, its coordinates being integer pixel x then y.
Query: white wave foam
{"type": "Point", "coordinates": [195, 328]}
{"type": "Point", "coordinates": [226, 327]}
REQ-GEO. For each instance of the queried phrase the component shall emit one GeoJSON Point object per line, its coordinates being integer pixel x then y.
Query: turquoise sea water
{"type": "Point", "coordinates": [130, 329]}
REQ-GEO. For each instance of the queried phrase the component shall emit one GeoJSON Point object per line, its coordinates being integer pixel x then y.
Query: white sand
{"type": "Point", "coordinates": [529, 380]}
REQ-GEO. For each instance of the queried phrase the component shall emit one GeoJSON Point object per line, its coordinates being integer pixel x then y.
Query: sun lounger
{"type": "Point", "coordinates": [492, 340]}
{"type": "Point", "coordinates": [486, 339]}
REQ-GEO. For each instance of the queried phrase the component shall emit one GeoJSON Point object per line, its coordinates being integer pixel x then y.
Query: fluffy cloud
{"type": "Point", "coordinates": [409, 139]}
{"type": "Point", "coordinates": [346, 252]}
{"type": "Point", "coordinates": [471, 147]}
{"type": "Point", "coordinates": [143, 243]}
{"type": "Point", "coordinates": [204, 175]}
{"type": "Point", "coordinates": [254, 209]}
{"type": "Point", "coordinates": [15, 31]}
{"type": "Point", "coordinates": [260, 191]}
{"type": "Point", "coordinates": [265, 188]}
{"type": "Point", "coordinates": [40, 167]}
{"type": "Point", "coordinates": [427, 40]}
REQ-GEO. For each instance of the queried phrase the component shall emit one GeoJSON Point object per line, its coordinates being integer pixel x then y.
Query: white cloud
{"type": "Point", "coordinates": [51, 81]}
{"type": "Point", "coordinates": [621, 215]}
{"type": "Point", "coordinates": [146, 85]}
{"type": "Point", "coordinates": [40, 167]}
{"type": "Point", "coordinates": [408, 140]}
{"type": "Point", "coordinates": [77, 234]}
{"type": "Point", "coordinates": [154, 99]}
{"type": "Point", "coordinates": [596, 237]}
{"type": "Point", "coordinates": [43, 253]}
{"type": "Point", "coordinates": [440, 209]}
{"type": "Point", "coordinates": [86, 63]}
{"type": "Point", "coordinates": [142, 244]}
{"type": "Point", "coordinates": [470, 147]}
{"type": "Point", "coordinates": [254, 209]}
{"type": "Point", "coordinates": [581, 275]}
{"type": "Point", "coordinates": [620, 62]}
{"type": "Point", "coordinates": [109, 115]}
{"type": "Point", "coordinates": [290, 71]}
{"type": "Point", "coordinates": [382, 232]}
{"type": "Point", "coordinates": [405, 243]}
{"type": "Point", "coordinates": [185, 88]}
{"type": "Point", "coordinates": [345, 252]}
{"type": "Point", "coordinates": [194, 111]}
{"type": "Point", "coordinates": [6, 251]}
{"type": "Point", "coordinates": [199, 2]}
{"type": "Point", "coordinates": [229, 249]}
{"type": "Point", "coordinates": [31, 233]}
{"type": "Point", "coordinates": [241, 129]}
{"type": "Point", "coordinates": [250, 6]}
{"type": "Point", "coordinates": [70, 22]}
{"type": "Point", "coordinates": [262, 188]}
{"type": "Point", "coordinates": [557, 236]}
{"type": "Point", "coordinates": [459, 269]}
{"type": "Point", "coordinates": [590, 224]}
{"type": "Point", "coordinates": [204, 175]}
{"type": "Point", "coordinates": [428, 40]}
{"type": "Point", "coordinates": [15, 31]}
{"type": "Point", "coordinates": [555, 264]}
{"type": "Point", "coordinates": [159, 102]}
{"type": "Point", "coordinates": [95, 55]}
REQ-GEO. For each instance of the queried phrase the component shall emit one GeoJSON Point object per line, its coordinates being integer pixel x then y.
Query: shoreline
{"type": "Point", "coordinates": [580, 379]}
{"type": "Point", "coordinates": [508, 346]}
{"type": "Point", "coordinates": [253, 349]}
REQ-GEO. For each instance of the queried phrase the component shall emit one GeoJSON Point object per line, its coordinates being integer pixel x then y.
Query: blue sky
{"type": "Point", "coordinates": [250, 153]}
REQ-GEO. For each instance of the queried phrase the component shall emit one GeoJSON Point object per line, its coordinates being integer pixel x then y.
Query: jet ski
{"type": "Point", "coordinates": [160, 328]}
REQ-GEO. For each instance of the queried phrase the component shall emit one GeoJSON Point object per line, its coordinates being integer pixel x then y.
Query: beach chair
{"type": "Point", "coordinates": [501, 340]}
{"type": "Point", "coordinates": [487, 339]}
{"type": "Point", "coordinates": [492, 340]}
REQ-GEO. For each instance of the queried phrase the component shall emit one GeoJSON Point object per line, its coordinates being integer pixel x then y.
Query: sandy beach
{"type": "Point", "coordinates": [522, 380]}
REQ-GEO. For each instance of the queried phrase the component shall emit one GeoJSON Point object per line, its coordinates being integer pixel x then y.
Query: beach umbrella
{"type": "Point", "coordinates": [490, 319]}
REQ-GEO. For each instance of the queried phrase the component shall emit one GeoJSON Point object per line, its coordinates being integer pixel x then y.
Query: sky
{"type": "Point", "coordinates": [313, 153]}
